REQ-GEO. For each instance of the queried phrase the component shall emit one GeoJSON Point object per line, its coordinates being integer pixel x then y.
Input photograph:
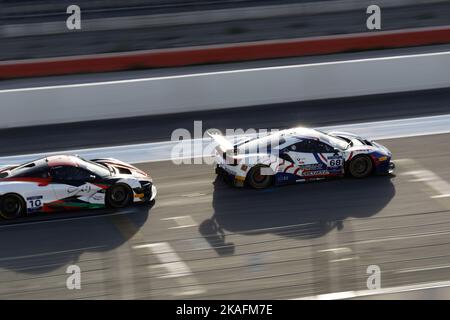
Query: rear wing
{"type": "Point", "coordinates": [224, 147]}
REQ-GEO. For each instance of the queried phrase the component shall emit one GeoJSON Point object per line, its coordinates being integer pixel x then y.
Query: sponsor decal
{"type": "Point", "coordinates": [312, 167]}
{"type": "Point", "coordinates": [334, 157]}
{"type": "Point", "coordinates": [315, 173]}
{"type": "Point", "coordinates": [98, 197]}
{"type": "Point", "coordinates": [35, 198]}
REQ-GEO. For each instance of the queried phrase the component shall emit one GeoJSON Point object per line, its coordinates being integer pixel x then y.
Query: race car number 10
{"type": "Point", "coordinates": [35, 203]}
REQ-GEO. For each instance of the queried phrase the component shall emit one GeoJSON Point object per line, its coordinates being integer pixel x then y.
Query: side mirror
{"type": "Point", "coordinates": [92, 177]}
{"type": "Point", "coordinates": [336, 151]}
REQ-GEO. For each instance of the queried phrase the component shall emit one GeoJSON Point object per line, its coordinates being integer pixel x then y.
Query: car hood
{"type": "Point", "coordinates": [361, 144]}
{"type": "Point", "coordinates": [123, 169]}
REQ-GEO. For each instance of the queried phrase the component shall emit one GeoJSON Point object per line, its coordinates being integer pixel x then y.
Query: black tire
{"type": "Point", "coordinates": [12, 206]}
{"type": "Point", "coordinates": [360, 167]}
{"type": "Point", "coordinates": [119, 196]}
{"type": "Point", "coordinates": [258, 181]}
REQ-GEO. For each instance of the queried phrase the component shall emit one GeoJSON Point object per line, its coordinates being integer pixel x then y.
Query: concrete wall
{"type": "Point", "coordinates": [209, 91]}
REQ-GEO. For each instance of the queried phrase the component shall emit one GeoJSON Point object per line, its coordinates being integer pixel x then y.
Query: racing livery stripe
{"type": "Point", "coordinates": [319, 160]}
{"type": "Point", "coordinates": [350, 156]}
{"type": "Point", "coordinates": [322, 157]}
{"type": "Point", "coordinates": [41, 181]}
{"type": "Point", "coordinates": [101, 186]}
{"type": "Point", "coordinates": [73, 203]}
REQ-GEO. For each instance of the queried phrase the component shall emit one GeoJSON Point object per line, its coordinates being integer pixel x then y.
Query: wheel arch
{"type": "Point", "coordinates": [120, 183]}
{"type": "Point", "coordinates": [21, 198]}
{"type": "Point", "coordinates": [359, 155]}
{"type": "Point", "coordinates": [15, 193]}
{"type": "Point", "coordinates": [260, 165]}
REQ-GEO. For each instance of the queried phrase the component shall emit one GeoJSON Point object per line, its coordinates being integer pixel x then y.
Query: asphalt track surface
{"type": "Point", "coordinates": [204, 239]}
{"type": "Point", "coordinates": [285, 242]}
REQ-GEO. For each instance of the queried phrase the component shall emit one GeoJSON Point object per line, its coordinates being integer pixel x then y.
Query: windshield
{"type": "Point", "coordinates": [336, 142]}
{"type": "Point", "coordinates": [95, 168]}
{"type": "Point", "coordinates": [35, 169]}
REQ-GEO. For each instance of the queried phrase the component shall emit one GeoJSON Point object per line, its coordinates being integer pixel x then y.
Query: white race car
{"type": "Point", "coordinates": [299, 154]}
{"type": "Point", "coordinates": [70, 182]}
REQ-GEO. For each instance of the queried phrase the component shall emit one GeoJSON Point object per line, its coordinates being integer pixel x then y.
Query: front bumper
{"type": "Point", "coordinates": [146, 193]}
{"type": "Point", "coordinates": [383, 164]}
{"type": "Point", "coordinates": [391, 167]}
{"type": "Point", "coordinates": [154, 192]}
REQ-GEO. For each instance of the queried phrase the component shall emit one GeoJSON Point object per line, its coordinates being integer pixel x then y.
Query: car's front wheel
{"type": "Point", "coordinates": [12, 206]}
{"type": "Point", "coordinates": [258, 178]}
{"type": "Point", "coordinates": [118, 196]}
{"type": "Point", "coordinates": [360, 167]}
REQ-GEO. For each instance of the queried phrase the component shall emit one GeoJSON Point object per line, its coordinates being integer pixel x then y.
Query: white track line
{"type": "Point", "coordinates": [182, 222]}
{"type": "Point", "coordinates": [202, 74]}
{"type": "Point", "coordinates": [366, 293]}
{"type": "Point", "coordinates": [435, 182]}
{"type": "Point", "coordinates": [175, 268]}
{"type": "Point", "coordinates": [162, 151]}
{"type": "Point", "coordinates": [423, 269]}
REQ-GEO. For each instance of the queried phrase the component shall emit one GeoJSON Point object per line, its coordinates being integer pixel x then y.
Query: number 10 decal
{"type": "Point", "coordinates": [35, 203]}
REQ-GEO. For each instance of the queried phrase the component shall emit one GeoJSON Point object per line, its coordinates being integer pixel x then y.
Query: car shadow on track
{"type": "Point", "coordinates": [302, 211]}
{"type": "Point", "coordinates": [41, 244]}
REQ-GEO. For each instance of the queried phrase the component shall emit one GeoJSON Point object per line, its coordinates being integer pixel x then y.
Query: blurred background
{"type": "Point", "coordinates": [36, 29]}
{"type": "Point", "coordinates": [140, 69]}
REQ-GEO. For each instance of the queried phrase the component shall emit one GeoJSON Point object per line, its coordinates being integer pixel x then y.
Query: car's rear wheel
{"type": "Point", "coordinates": [118, 196]}
{"type": "Point", "coordinates": [12, 206]}
{"type": "Point", "coordinates": [360, 167]}
{"type": "Point", "coordinates": [257, 179]}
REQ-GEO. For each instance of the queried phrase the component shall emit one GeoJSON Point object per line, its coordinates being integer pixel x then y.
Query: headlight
{"type": "Point", "coordinates": [145, 184]}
